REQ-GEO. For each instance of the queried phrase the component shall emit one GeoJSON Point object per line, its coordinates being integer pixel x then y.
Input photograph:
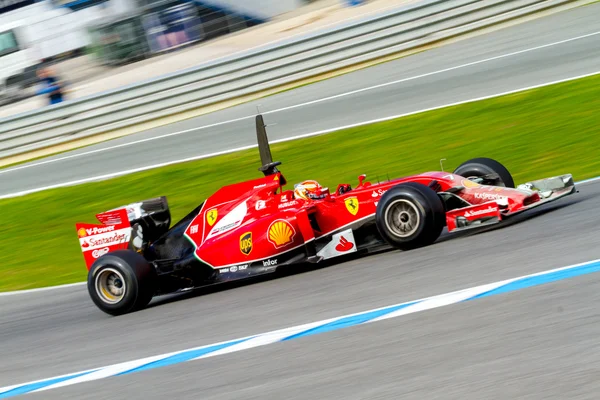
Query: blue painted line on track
{"type": "Point", "coordinates": [183, 357]}
{"type": "Point", "coordinates": [288, 334]}
{"type": "Point", "coordinates": [346, 322]}
{"type": "Point", "coordinates": [30, 387]}
{"type": "Point", "coordinates": [541, 280]}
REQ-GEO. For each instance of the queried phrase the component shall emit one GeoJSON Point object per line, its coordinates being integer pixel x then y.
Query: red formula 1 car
{"type": "Point", "coordinates": [254, 227]}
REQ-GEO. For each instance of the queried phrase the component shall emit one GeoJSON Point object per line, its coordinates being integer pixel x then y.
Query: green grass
{"type": "Point", "coordinates": [535, 134]}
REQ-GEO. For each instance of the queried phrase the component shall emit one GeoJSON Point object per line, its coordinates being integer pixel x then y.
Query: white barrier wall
{"type": "Point", "coordinates": [264, 9]}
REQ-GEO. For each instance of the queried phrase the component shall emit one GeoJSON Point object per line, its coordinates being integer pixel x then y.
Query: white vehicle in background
{"type": "Point", "coordinates": [35, 33]}
{"type": "Point", "coordinates": [17, 62]}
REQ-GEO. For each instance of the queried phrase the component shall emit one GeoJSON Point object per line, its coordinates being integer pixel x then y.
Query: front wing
{"type": "Point", "coordinates": [489, 213]}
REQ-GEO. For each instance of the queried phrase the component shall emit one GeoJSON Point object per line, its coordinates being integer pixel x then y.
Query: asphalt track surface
{"type": "Point", "coordinates": [529, 68]}
{"type": "Point", "coordinates": [536, 343]}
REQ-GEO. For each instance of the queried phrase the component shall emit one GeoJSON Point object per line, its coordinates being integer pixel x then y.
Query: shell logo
{"type": "Point", "coordinates": [81, 232]}
{"type": "Point", "coordinates": [281, 233]}
{"type": "Point", "coordinates": [470, 184]}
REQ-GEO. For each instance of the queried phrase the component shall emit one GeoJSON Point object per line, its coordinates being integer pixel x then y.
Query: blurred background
{"type": "Point", "coordinates": [93, 45]}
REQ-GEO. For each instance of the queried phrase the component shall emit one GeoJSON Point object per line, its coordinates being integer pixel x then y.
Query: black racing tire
{"type": "Point", "coordinates": [481, 166]}
{"type": "Point", "coordinates": [131, 277]}
{"type": "Point", "coordinates": [408, 202]}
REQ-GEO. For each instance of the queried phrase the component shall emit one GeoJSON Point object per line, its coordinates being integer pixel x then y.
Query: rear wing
{"type": "Point", "coordinates": [114, 233]}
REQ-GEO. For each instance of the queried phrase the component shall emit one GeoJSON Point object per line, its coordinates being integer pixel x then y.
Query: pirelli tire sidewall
{"type": "Point", "coordinates": [138, 276]}
{"type": "Point", "coordinates": [411, 196]}
{"type": "Point", "coordinates": [482, 166]}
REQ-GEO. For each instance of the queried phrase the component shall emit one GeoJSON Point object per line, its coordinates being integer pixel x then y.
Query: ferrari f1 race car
{"type": "Point", "coordinates": [254, 227]}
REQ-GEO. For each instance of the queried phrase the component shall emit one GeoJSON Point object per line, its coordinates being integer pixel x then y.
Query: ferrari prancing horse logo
{"type": "Point", "coordinates": [352, 205]}
{"type": "Point", "coordinates": [211, 216]}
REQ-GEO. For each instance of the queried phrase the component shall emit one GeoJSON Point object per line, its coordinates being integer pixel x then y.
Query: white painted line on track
{"type": "Point", "coordinates": [17, 292]}
{"type": "Point", "coordinates": [308, 103]}
{"type": "Point", "coordinates": [197, 354]}
{"type": "Point", "coordinates": [43, 289]}
{"type": "Point", "coordinates": [288, 139]}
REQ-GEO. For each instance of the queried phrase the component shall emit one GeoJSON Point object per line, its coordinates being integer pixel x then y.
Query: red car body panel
{"type": "Point", "coordinates": [257, 220]}
{"type": "Point", "coordinates": [254, 220]}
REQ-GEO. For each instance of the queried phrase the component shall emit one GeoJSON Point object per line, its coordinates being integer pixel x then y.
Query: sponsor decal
{"type": "Point", "coordinates": [490, 196]}
{"type": "Point", "coordinates": [223, 228]}
{"type": "Point", "coordinates": [269, 263]}
{"type": "Point", "coordinates": [95, 230]}
{"type": "Point", "coordinates": [376, 203]}
{"type": "Point", "coordinates": [260, 205]}
{"type": "Point", "coordinates": [211, 216]}
{"type": "Point", "coordinates": [281, 233]}
{"type": "Point", "coordinates": [276, 178]}
{"type": "Point", "coordinates": [490, 209]}
{"type": "Point", "coordinates": [449, 176]}
{"type": "Point", "coordinates": [469, 184]}
{"type": "Point", "coordinates": [235, 268]}
{"type": "Point", "coordinates": [284, 198]}
{"type": "Point", "coordinates": [341, 243]}
{"type": "Point", "coordinates": [377, 193]}
{"type": "Point", "coordinates": [344, 245]}
{"type": "Point", "coordinates": [229, 221]}
{"type": "Point", "coordinates": [288, 204]}
{"type": "Point", "coordinates": [246, 243]}
{"type": "Point", "coordinates": [194, 229]}
{"type": "Point", "coordinates": [352, 205]}
{"type": "Point", "coordinates": [101, 252]}
{"type": "Point", "coordinates": [106, 239]}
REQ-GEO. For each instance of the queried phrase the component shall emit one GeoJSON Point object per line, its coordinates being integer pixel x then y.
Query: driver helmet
{"type": "Point", "coordinates": [308, 190]}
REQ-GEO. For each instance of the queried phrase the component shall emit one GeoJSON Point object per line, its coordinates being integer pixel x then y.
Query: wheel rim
{"type": "Point", "coordinates": [402, 218]}
{"type": "Point", "coordinates": [110, 286]}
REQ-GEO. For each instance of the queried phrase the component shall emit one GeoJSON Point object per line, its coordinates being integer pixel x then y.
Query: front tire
{"type": "Point", "coordinates": [480, 167]}
{"type": "Point", "coordinates": [121, 282]}
{"type": "Point", "coordinates": [410, 215]}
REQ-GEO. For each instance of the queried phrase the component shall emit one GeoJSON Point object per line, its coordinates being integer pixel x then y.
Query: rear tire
{"type": "Point", "coordinates": [121, 282]}
{"type": "Point", "coordinates": [479, 167]}
{"type": "Point", "coordinates": [410, 215]}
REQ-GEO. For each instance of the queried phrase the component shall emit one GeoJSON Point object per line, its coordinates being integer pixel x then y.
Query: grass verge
{"type": "Point", "coordinates": [537, 133]}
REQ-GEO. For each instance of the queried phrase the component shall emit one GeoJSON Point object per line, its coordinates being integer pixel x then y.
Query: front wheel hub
{"type": "Point", "coordinates": [402, 218]}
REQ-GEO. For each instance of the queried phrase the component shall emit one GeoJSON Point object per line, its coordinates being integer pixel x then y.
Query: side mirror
{"type": "Point", "coordinates": [361, 179]}
{"type": "Point", "coordinates": [324, 194]}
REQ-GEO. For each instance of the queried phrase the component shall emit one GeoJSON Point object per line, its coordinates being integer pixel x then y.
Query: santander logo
{"type": "Point", "coordinates": [344, 245]}
{"type": "Point", "coordinates": [490, 209]}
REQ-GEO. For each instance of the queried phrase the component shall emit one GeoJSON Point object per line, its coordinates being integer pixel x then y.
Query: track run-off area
{"type": "Point", "coordinates": [506, 313]}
